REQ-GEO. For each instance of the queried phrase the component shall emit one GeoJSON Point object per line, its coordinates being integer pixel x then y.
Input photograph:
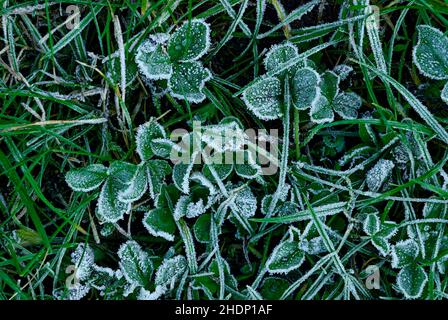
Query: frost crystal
{"type": "Point", "coordinates": [412, 280]}
{"type": "Point", "coordinates": [190, 42]}
{"type": "Point", "coordinates": [146, 133]}
{"type": "Point", "coordinates": [154, 63]}
{"type": "Point", "coordinates": [379, 174]}
{"type": "Point", "coordinates": [278, 55]}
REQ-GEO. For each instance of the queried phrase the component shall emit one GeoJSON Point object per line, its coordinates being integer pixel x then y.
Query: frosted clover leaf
{"type": "Point", "coordinates": [265, 97]}
{"type": "Point", "coordinates": [431, 53]}
{"type": "Point", "coordinates": [176, 60]}
{"type": "Point", "coordinates": [286, 256]}
{"type": "Point", "coordinates": [135, 265]}
{"type": "Point", "coordinates": [345, 104]}
{"type": "Point", "coordinates": [150, 173]}
{"type": "Point", "coordinates": [115, 179]}
{"type": "Point", "coordinates": [170, 271]}
{"type": "Point", "coordinates": [379, 233]}
{"type": "Point", "coordinates": [86, 179]}
{"type": "Point", "coordinates": [83, 259]}
{"type": "Point", "coordinates": [160, 221]}
{"type": "Point", "coordinates": [412, 278]}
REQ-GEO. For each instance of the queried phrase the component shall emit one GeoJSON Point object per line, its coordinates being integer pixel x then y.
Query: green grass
{"type": "Point", "coordinates": [63, 106]}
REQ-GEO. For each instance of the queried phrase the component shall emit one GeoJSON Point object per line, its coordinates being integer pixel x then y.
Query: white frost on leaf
{"type": "Point", "coordinates": [134, 264]}
{"type": "Point", "coordinates": [412, 280]}
{"type": "Point", "coordinates": [153, 62]}
{"type": "Point", "coordinates": [160, 223]}
{"type": "Point", "coordinates": [263, 98]}
{"type": "Point", "coordinates": [343, 70]}
{"type": "Point", "coordinates": [86, 179]}
{"type": "Point", "coordinates": [83, 260]}
{"type": "Point", "coordinates": [146, 133]}
{"type": "Point", "coordinates": [346, 104]}
{"type": "Point", "coordinates": [285, 257]}
{"type": "Point", "coordinates": [278, 55]}
{"type": "Point", "coordinates": [110, 208]}
{"type": "Point", "coordinates": [378, 174]}
{"type": "Point", "coordinates": [246, 202]}
{"type": "Point", "coordinates": [321, 111]}
{"type": "Point", "coordinates": [430, 54]}
{"type": "Point", "coordinates": [444, 93]}
{"type": "Point", "coordinates": [305, 88]}
{"type": "Point", "coordinates": [190, 41]}
{"type": "Point", "coordinates": [170, 271]}
{"type": "Point", "coordinates": [188, 81]}
{"type": "Point", "coordinates": [404, 253]}
{"type": "Point", "coordinates": [136, 188]}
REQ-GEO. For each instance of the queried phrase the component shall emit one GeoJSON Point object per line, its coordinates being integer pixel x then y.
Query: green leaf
{"type": "Point", "coordinates": [223, 170]}
{"type": "Point", "coordinates": [263, 98]}
{"type": "Point", "coordinates": [137, 186]}
{"type": "Point", "coordinates": [305, 88]}
{"type": "Point", "coordinates": [160, 223]}
{"type": "Point", "coordinates": [404, 253]}
{"type": "Point", "coordinates": [321, 111]}
{"type": "Point", "coordinates": [146, 133]}
{"type": "Point", "coordinates": [110, 208]}
{"type": "Point", "coordinates": [201, 228]}
{"type": "Point", "coordinates": [430, 55]}
{"type": "Point", "coordinates": [190, 42]}
{"type": "Point", "coordinates": [245, 165]}
{"type": "Point", "coordinates": [135, 264]}
{"type": "Point", "coordinates": [162, 147]}
{"type": "Point", "coordinates": [156, 171]}
{"type": "Point", "coordinates": [371, 224]}
{"type": "Point", "coordinates": [153, 62]}
{"type": "Point", "coordinates": [188, 80]}
{"type": "Point", "coordinates": [187, 207]}
{"type": "Point", "coordinates": [170, 271]}
{"type": "Point", "coordinates": [181, 176]}
{"type": "Point", "coordinates": [286, 257]}
{"type": "Point", "coordinates": [329, 85]}
{"type": "Point", "coordinates": [347, 105]}
{"type": "Point", "coordinates": [122, 172]}
{"type": "Point", "coordinates": [381, 244]}
{"type": "Point", "coordinates": [412, 280]}
{"type": "Point", "coordinates": [272, 288]}
{"type": "Point", "coordinates": [86, 179]}
{"type": "Point", "coordinates": [279, 55]}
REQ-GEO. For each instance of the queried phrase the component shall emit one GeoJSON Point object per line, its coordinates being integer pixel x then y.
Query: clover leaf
{"type": "Point", "coordinates": [265, 96]}
{"type": "Point", "coordinates": [175, 59]}
{"type": "Point", "coordinates": [379, 233]}
{"type": "Point", "coordinates": [412, 278]}
{"type": "Point", "coordinates": [345, 104]}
